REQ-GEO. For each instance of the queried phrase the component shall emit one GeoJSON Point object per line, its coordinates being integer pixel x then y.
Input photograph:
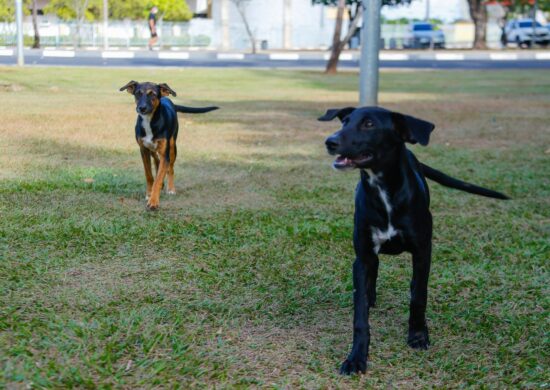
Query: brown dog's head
{"type": "Point", "coordinates": [147, 95]}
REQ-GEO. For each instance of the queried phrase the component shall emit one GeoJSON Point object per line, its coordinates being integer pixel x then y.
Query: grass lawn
{"type": "Point", "coordinates": [243, 279]}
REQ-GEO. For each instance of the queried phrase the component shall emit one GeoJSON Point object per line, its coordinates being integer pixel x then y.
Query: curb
{"type": "Point", "coordinates": [177, 55]}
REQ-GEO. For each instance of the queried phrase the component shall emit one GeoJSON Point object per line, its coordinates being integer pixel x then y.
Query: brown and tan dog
{"type": "Point", "coordinates": [156, 134]}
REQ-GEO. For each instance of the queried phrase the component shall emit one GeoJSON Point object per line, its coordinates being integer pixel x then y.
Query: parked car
{"type": "Point", "coordinates": [422, 35]}
{"type": "Point", "coordinates": [520, 31]}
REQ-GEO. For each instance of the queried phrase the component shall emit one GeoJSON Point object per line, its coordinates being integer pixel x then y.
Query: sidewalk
{"type": "Point", "coordinates": [210, 55]}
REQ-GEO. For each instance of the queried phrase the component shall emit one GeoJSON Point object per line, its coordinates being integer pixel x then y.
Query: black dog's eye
{"type": "Point", "coordinates": [138, 93]}
{"type": "Point", "coordinates": [368, 124]}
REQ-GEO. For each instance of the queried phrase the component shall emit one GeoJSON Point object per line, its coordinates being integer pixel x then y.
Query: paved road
{"type": "Point", "coordinates": [438, 60]}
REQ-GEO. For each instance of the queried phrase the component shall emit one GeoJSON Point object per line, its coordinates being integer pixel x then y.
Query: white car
{"type": "Point", "coordinates": [422, 35]}
{"type": "Point", "coordinates": [520, 31]}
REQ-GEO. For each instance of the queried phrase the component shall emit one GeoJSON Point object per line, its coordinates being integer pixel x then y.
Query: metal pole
{"type": "Point", "coordinates": [287, 24]}
{"type": "Point", "coordinates": [370, 47]}
{"type": "Point", "coordinates": [105, 24]}
{"type": "Point", "coordinates": [427, 18]}
{"type": "Point", "coordinates": [19, 22]}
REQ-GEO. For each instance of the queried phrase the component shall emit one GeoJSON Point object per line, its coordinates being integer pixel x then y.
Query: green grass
{"type": "Point", "coordinates": [243, 279]}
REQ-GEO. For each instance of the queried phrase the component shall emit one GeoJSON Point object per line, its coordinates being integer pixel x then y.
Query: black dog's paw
{"type": "Point", "coordinates": [354, 365]}
{"type": "Point", "coordinates": [419, 339]}
{"type": "Point", "coordinates": [371, 302]}
{"type": "Point", "coordinates": [371, 297]}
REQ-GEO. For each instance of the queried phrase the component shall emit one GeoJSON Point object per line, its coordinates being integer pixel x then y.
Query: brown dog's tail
{"type": "Point", "coordinates": [448, 181]}
{"type": "Point", "coordinates": [194, 110]}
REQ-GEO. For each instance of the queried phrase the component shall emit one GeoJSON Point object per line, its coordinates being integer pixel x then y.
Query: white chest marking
{"type": "Point", "coordinates": [379, 236]}
{"type": "Point", "coordinates": [148, 139]}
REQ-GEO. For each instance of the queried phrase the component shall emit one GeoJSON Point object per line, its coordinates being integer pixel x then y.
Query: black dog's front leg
{"type": "Point", "coordinates": [418, 329]}
{"type": "Point", "coordinates": [357, 359]}
{"type": "Point", "coordinates": [372, 276]}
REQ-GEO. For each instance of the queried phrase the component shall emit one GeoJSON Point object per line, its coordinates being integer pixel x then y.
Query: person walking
{"type": "Point", "coordinates": [153, 26]}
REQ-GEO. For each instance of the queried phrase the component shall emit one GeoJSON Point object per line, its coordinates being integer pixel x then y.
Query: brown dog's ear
{"type": "Point", "coordinates": [412, 129]}
{"type": "Point", "coordinates": [165, 90]}
{"type": "Point", "coordinates": [341, 113]}
{"type": "Point", "coordinates": [130, 87]}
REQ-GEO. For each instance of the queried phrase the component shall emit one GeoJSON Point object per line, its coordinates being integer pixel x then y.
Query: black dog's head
{"type": "Point", "coordinates": [147, 95]}
{"type": "Point", "coordinates": [370, 136]}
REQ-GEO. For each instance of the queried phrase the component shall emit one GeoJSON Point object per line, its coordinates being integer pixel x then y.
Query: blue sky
{"type": "Point", "coordinates": [447, 10]}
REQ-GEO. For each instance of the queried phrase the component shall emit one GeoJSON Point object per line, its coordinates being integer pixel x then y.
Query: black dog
{"type": "Point", "coordinates": [391, 211]}
{"type": "Point", "coordinates": [156, 133]}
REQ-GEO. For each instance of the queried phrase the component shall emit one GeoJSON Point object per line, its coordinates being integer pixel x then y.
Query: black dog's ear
{"type": "Point", "coordinates": [165, 90]}
{"type": "Point", "coordinates": [341, 113]}
{"type": "Point", "coordinates": [130, 87]}
{"type": "Point", "coordinates": [412, 129]}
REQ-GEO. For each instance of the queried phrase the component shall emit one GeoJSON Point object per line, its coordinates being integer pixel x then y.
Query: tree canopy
{"type": "Point", "coordinates": [7, 9]}
{"type": "Point", "coordinates": [170, 10]}
{"type": "Point", "coordinates": [74, 9]}
{"type": "Point", "coordinates": [518, 6]}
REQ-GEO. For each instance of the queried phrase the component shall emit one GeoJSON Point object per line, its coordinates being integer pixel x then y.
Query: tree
{"type": "Point", "coordinates": [519, 7]}
{"type": "Point", "coordinates": [36, 43]}
{"type": "Point", "coordinates": [128, 9]}
{"type": "Point", "coordinates": [173, 10]}
{"type": "Point", "coordinates": [170, 10]}
{"type": "Point", "coordinates": [478, 13]}
{"type": "Point", "coordinates": [7, 14]}
{"type": "Point", "coordinates": [241, 8]}
{"type": "Point", "coordinates": [7, 10]}
{"type": "Point", "coordinates": [355, 11]}
{"type": "Point", "coordinates": [74, 10]}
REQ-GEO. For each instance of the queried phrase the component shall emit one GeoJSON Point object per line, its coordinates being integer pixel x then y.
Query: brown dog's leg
{"type": "Point", "coordinates": [157, 162]}
{"type": "Point", "coordinates": [173, 153]}
{"type": "Point", "coordinates": [154, 200]}
{"type": "Point", "coordinates": [146, 157]}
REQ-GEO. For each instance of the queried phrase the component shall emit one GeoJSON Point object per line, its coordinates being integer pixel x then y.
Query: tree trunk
{"type": "Point", "coordinates": [332, 64]}
{"type": "Point", "coordinates": [241, 10]}
{"type": "Point", "coordinates": [478, 12]}
{"type": "Point", "coordinates": [36, 43]}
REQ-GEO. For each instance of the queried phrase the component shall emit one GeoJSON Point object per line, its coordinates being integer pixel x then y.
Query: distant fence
{"type": "Point", "coordinates": [205, 33]}
{"type": "Point", "coordinates": [198, 32]}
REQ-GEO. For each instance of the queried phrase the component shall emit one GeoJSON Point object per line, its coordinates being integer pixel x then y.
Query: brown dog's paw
{"type": "Point", "coordinates": [152, 206]}
{"type": "Point", "coordinates": [171, 192]}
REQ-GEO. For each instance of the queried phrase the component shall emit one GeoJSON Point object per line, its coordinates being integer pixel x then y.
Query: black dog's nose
{"type": "Point", "coordinates": [332, 143]}
{"type": "Point", "coordinates": [142, 109]}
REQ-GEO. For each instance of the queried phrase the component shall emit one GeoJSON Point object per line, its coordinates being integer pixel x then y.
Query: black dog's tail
{"type": "Point", "coordinates": [194, 110]}
{"type": "Point", "coordinates": [451, 182]}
